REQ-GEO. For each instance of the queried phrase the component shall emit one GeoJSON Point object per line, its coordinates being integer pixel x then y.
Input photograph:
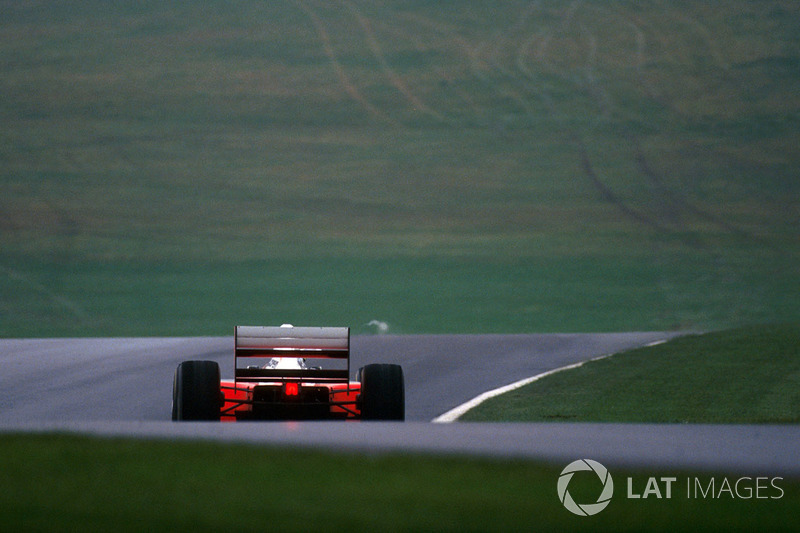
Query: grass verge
{"type": "Point", "coordinates": [412, 294]}
{"type": "Point", "coordinates": [745, 375]}
{"type": "Point", "coordinates": [70, 483]}
{"type": "Point", "coordinates": [547, 166]}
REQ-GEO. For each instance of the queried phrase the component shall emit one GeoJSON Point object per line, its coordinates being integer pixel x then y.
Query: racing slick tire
{"type": "Point", "coordinates": [195, 391]}
{"type": "Point", "coordinates": [382, 392]}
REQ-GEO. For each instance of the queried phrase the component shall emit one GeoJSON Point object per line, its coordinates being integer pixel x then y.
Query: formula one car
{"type": "Point", "coordinates": [285, 386]}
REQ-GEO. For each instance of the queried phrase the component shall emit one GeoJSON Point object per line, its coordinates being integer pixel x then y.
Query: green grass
{"type": "Point", "coordinates": [63, 483]}
{"type": "Point", "coordinates": [626, 165]}
{"type": "Point", "coordinates": [747, 375]}
{"type": "Point", "coordinates": [411, 294]}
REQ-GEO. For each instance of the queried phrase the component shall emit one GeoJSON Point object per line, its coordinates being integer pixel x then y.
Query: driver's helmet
{"type": "Point", "coordinates": [287, 363]}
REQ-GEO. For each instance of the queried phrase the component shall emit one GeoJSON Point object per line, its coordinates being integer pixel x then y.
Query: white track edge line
{"type": "Point", "coordinates": [453, 414]}
{"type": "Point", "coordinates": [654, 343]}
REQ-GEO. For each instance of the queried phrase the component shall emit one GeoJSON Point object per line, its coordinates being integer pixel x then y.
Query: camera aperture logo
{"type": "Point", "coordinates": [661, 487]}
{"type": "Point", "coordinates": [585, 509]}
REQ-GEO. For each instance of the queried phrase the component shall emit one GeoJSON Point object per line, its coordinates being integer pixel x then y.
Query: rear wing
{"type": "Point", "coordinates": [267, 342]}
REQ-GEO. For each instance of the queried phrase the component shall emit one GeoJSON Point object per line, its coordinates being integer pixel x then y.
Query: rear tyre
{"type": "Point", "coordinates": [195, 391]}
{"type": "Point", "coordinates": [382, 392]}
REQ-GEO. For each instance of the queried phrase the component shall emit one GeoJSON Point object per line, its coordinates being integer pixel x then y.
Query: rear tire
{"type": "Point", "coordinates": [382, 392]}
{"type": "Point", "coordinates": [196, 392]}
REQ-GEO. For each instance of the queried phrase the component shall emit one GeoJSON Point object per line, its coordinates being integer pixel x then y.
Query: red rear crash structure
{"type": "Point", "coordinates": [288, 373]}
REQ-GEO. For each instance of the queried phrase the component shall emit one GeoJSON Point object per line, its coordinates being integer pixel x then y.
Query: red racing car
{"type": "Point", "coordinates": [283, 385]}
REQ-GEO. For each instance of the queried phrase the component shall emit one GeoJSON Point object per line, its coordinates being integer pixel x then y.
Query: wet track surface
{"type": "Point", "coordinates": [124, 387]}
{"type": "Point", "coordinates": [131, 379]}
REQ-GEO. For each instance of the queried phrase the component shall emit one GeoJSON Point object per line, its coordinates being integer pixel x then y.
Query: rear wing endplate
{"type": "Point", "coordinates": [267, 342]}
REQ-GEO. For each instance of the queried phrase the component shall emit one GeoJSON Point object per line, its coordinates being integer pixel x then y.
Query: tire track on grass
{"type": "Point", "coordinates": [676, 204]}
{"type": "Point", "coordinates": [641, 28]}
{"type": "Point", "coordinates": [480, 67]}
{"type": "Point", "coordinates": [394, 79]}
{"type": "Point", "coordinates": [700, 29]}
{"type": "Point", "coordinates": [604, 191]}
{"type": "Point", "coordinates": [449, 33]}
{"type": "Point", "coordinates": [541, 50]}
{"type": "Point", "coordinates": [344, 80]}
{"type": "Point", "coordinates": [592, 85]}
{"type": "Point", "coordinates": [503, 37]}
{"type": "Point", "coordinates": [444, 78]}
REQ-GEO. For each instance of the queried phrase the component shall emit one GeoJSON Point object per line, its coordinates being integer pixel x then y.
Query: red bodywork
{"type": "Point", "coordinates": [241, 401]}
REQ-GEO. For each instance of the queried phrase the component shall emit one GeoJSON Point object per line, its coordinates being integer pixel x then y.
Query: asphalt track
{"type": "Point", "coordinates": [123, 386]}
